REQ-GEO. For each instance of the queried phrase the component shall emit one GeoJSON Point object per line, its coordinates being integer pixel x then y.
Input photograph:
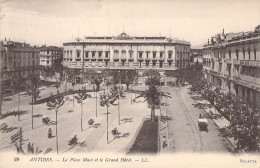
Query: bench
{"type": "Point", "coordinates": [127, 119]}
{"type": "Point", "coordinates": [3, 126]}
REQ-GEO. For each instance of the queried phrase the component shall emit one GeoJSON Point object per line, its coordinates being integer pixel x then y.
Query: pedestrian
{"type": "Point", "coordinates": [32, 149]}
{"type": "Point", "coordinates": [164, 142]}
{"type": "Point", "coordinates": [49, 133]}
{"type": "Point", "coordinates": [29, 148]}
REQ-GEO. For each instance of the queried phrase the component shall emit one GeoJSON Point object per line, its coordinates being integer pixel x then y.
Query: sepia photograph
{"type": "Point", "coordinates": [130, 83]}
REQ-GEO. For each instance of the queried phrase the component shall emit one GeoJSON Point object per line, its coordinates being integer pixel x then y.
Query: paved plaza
{"type": "Point", "coordinates": [181, 130]}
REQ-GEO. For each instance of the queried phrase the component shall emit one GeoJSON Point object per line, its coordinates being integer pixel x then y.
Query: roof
{"type": "Point", "coordinates": [50, 48]}
{"type": "Point", "coordinates": [124, 38]}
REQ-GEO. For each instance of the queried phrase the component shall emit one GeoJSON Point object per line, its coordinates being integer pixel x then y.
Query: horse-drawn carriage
{"type": "Point", "coordinates": [203, 124]}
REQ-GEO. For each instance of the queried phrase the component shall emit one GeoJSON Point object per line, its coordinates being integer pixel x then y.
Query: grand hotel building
{"type": "Point", "coordinates": [126, 53]}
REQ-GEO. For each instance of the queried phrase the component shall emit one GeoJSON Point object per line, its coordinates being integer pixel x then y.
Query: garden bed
{"type": "Point", "coordinates": [147, 138]}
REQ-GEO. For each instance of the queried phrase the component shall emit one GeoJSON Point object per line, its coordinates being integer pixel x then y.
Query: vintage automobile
{"type": "Point", "coordinates": [203, 124]}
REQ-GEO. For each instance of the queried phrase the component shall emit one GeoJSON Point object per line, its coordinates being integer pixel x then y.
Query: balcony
{"type": "Point", "coordinates": [147, 59]}
{"type": "Point", "coordinates": [254, 63]}
{"type": "Point", "coordinates": [170, 59]}
{"type": "Point", "coordinates": [93, 59]}
{"type": "Point", "coordinates": [154, 59]}
{"type": "Point", "coordinates": [116, 58]}
{"type": "Point", "coordinates": [228, 61]}
{"type": "Point", "coordinates": [130, 59]}
{"type": "Point", "coordinates": [100, 58]}
{"type": "Point", "coordinates": [236, 62]}
{"type": "Point", "coordinates": [140, 59]}
{"type": "Point", "coordinates": [161, 59]}
{"type": "Point", "coordinates": [123, 58]}
{"type": "Point", "coordinates": [244, 62]}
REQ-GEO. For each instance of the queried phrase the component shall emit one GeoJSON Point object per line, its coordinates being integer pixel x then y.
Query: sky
{"type": "Point", "coordinates": [53, 22]}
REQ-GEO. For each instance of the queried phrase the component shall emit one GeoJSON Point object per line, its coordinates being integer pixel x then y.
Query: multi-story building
{"type": "Point", "coordinates": [196, 56]}
{"type": "Point", "coordinates": [232, 62]}
{"type": "Point", "coordinates": [48, 54]}
{"type": "Point", "coordinates": [17, 60]}
{"type": "Point", "coordinates": [126, 53]}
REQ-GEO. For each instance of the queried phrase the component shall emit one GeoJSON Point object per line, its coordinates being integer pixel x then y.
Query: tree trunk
{"type": "Point", "coordinates": [107, 124]}
{"type": "Point", "coordinates": [57, 145]}
{"type": "Point", "coordinates": [32, 111]}
{"type": "Point", "coordinates": [118, 113]}
{"type": "Point", "coordinates": [81, 117]}
{"type": "Point", "coordinates": [96, 104]}
{"type": "Point", "coordinates": [152, 112]}
{"type": "Point", "coordinates": [18, 112]}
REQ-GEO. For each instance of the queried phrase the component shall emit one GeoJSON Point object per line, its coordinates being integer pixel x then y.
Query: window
{"type": "Point", "coordinates": [147, 63]}
{"type": "Point", "coordinates": [161, 54]}
{"type": "Point", "coordinates": [248, 51]}
{"type": "Point", "coordinates": [229, 53]}
{"type": "Point", "coordinates": [154, 54]}
{"type": "Point", "coordinates": [237, 54]}
{"type": "Point", "coordinates": [106, 63]}
{"type": "Point", "coordinates": [154, 63]}
{"type": "Point", "coordinates": [140, 55]}
{"type": "Point", "coordinates": [123, 63]}
{"type": "Point", "coordinates": [244, 54]}
{"type": "Point", "coordinates": [93, 54]}
{"type": "Point", "coordinates": [255, 53]}
{"type": "Point", "coordinates": [170, 63]}
{"type": "Point", "coordinates": [106, 54]}
{"type": "Point", "coordinates": [130, 54]}
{"type": "Point", "coordinates": [161, 64]}
{"type": "Point", "coordinates": [86, 54]}
{"type": "Point", "coordinates": [170, 55]}
{"type": "Point", "coordinates": [78, 54]}
{"type": "Point", "coordinates": [100, 54]}
{"type": "Point", "coordinates": [47, 52]}
{"type": "Point", "coordinates": [147, 55]}
{"type": "Point", "coordinates": [47, 57]}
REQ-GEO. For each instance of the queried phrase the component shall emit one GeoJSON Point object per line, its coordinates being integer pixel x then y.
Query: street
{"type": "Point", "coordinates": [184, 134]}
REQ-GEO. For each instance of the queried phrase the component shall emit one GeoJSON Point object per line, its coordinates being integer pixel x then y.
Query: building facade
{"type": "Point", "coordinates": [18, 60]}
{"type": "Point", "coordinates": [196, 56]}
{"type": "Point", "coordinates": [232, 63]}
{"type": "Point", "coordinates": [126, 53]}
{"type": "Point", "coordinates": [48, 54]}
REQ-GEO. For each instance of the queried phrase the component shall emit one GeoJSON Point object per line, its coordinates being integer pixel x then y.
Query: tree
{"type": "Point", "coordinates": [153, 77]}
{"type": "Point", "coordinates": [55, 103]}
{"type": "Point", "coordinates": [128, 77]}
{"type": "Point", "coordinates": [96, 88]}
{"type": "Point", "coordinates": [152, 96]}
{"type": "Point", "coordinates": [117, 92]}
{"type": "Point", "coordinates": [82, 95]}
{"type": "Point", "coordinates": [107, 100]}
{"type": "Point", "coordinates": [33, 91]}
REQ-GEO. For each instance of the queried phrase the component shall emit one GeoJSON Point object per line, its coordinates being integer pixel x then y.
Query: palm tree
{"type": "Point", "coordinates": [107, 100]}
{"type": "Point", "coordinates": [56, 103]}
{"type": "Point", "coordinates": [82, 95]}
{"type": "Point", "coordinates": [118, 92]}
{"type": "Point", "coordinates": [152, 96]}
